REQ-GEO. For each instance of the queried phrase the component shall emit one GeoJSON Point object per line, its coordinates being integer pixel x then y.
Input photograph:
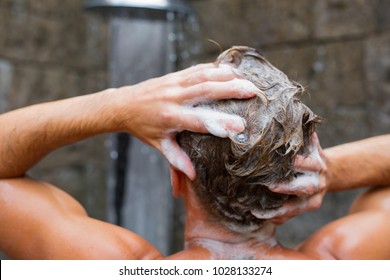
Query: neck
{"type": "Point", "coordinates": [222, 243]}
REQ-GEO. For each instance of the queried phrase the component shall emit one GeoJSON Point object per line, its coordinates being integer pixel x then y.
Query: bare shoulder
{"type": "Point", "coordinates": [43, 222]}
{"type": "Point", "coordinates": [363, 234]}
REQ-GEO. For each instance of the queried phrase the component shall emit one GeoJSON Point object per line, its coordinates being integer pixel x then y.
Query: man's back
{"type": "Point", "coordinates": [60, 229]}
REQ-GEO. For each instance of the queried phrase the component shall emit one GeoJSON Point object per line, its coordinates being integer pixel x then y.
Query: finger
{"type": "Point", "coordinates": [269, 214]}
{"type": "Point", "coordinates": [196, 68]}
{"type": "Point", "coordinates": [304, 184]}
{"type": "Point", "coordinates": [177, 157]}
{"type": "Point", "coordinates": [204, 120]}
{"type": "Point", "coordinates": [220, 124]}
{"type": "Point", "coordinates": [299, 205]}
{"type": "Point", "coordinates": [312, 162]}
{"type": "Point", "coordinates": [236, 88]}
{"type": "Point", "coordinates": [315, 141]}
{"type": "Point", "coordinates": [290, 208]}
{"type": "Point", "coordinates": [206, 73]}
{"type": "Point", "coordinates": [316, 150]}
{"type": "Point", "coordinates": [184, 77]}
{"type": "Point", "coordinates": [280, 220]}
{"type": "Point", "coordinates": [307, 163]}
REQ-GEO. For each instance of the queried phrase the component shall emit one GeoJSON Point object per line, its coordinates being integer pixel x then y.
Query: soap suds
{"type": "Point", "coordinates": [245, 249]}
{"type": "Point", "coordinates": [300, 205]}
{"type": "Point", "coordinates": [177, 157]}
{"type": "Point", "coordinates": [218, 123]}
{"type": "Point", "coordinates": [315, 152]}
{"type": "Point", "coordinates": [239, 88]}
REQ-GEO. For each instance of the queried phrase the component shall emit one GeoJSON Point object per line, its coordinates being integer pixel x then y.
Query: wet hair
{"type": "Point", "coordinates": [233, 174]}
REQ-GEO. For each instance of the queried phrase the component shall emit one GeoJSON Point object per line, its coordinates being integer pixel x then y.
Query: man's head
{"type": "Point", "coordinates": [232, 174]}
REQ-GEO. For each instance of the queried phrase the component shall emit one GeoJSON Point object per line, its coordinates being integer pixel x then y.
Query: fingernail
{"type": "Point", "coordinates": [248, 85]}
{"type": "Point", "coordinates": [177, 158]}
{"type": "Point", "coordinates": [225, 66]}
{"type": "Point", "coordinates": [242, 138]}
{"type": "Point", "coordinates": [214, 127]}
{"type": "Point", "coordinates": [249, 89]}
{"type": "Point", "coordinates": [239, 125]}
{"type": "Point", "coordinates": [268, 214]}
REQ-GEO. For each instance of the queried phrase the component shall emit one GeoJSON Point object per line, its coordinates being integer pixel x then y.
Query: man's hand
{"type": "Point", "coordinates": [308, 186]}
{"type": "Point", "coordinates": [153, 111]}
{"type": "Point", "coordinates": [168, 104]}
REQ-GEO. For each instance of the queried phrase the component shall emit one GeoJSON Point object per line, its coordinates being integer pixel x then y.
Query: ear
{"type": "Point", "coordinates": [178, 181]}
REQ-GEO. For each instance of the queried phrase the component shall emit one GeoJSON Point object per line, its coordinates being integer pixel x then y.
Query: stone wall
{"type": "Point", "coordinates": [51, 50]}
{"type": "Point", "coordinates": [338, 49]}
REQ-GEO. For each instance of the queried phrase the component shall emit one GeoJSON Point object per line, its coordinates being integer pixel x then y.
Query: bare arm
{"type": "Point", "coordinates": [152, 111]}
{"type": "Point", "coordinates": [30, 133]}
{"type": "Point", "coordinates": [361, 163]}
{"type": "Point", "coordinates": [39, 221]}
{"type": "Point", "coordinates": [348, 166]}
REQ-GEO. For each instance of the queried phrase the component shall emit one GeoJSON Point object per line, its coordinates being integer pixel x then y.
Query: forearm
{"type": "Point", "coordinates": [28, 134]}
{"type": "Point", "coordinates": [152, 111]}
{"type": "Point", "coordinates": [360, 163]}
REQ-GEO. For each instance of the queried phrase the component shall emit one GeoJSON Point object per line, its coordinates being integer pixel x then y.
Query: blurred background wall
{"type": "Point", "coordinates": [338, 49]}
{"type": "Point", "coordinates": [51, 50]}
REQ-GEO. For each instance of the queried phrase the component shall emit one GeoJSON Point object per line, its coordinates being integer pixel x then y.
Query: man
{"type": "Point", "coordinates": [39, 221]}
{"type": "Point", "coordinates": [229, 202]}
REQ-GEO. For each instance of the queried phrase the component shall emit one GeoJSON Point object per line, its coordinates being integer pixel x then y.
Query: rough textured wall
{"type": "Point", "coordinates": [338, 49]}
{"type": "Point", "coordinates": [51, 50]}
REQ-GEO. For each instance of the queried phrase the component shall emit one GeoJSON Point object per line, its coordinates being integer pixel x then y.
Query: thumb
{"type": "Point", "coordinates": [177, 157]}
